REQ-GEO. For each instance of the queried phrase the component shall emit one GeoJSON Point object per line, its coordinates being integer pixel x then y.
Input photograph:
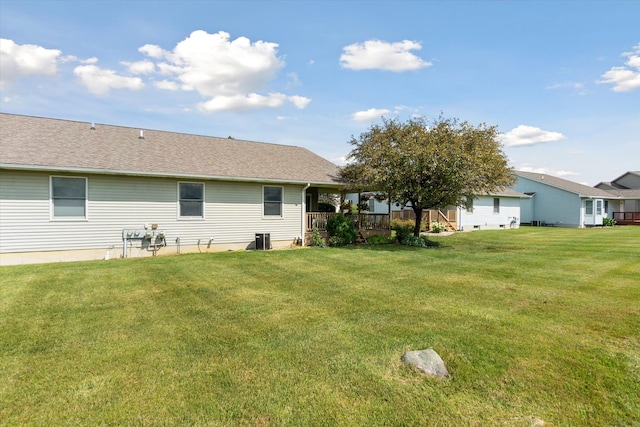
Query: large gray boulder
{"type": "Point", "coordinates": [426, 361]}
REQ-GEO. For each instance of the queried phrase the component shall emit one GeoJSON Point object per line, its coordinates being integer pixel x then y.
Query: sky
{"type": "Point", "coordinates": [560, 79]}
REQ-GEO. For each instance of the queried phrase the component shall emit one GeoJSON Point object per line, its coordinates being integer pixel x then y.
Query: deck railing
{"type": "Point", "coordinates": [449, 218]}
{"type": "Point", "coordinates": [369, 221]}
{"type": "Point", "coordinates": [626, 218]}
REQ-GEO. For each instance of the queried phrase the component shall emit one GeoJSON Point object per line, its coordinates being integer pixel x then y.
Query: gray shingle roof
{"type": "Point", "coordinates": [42, 143]}
{"type": "Point", "coordinates": [565, 184]}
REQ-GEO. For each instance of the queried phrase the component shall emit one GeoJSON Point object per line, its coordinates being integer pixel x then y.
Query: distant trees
{"type": "Point", "coordinates": [429, 164]}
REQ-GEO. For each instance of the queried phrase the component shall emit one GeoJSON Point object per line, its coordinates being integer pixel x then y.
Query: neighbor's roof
{"type": "Point", "coordinates": [627, 193]}
{"type": "Point", "coordinates": [61, 145]}
{"type": "Point", "coordinates": [509, 192]}
{"type": "Point", "coordinates": [564, 184]}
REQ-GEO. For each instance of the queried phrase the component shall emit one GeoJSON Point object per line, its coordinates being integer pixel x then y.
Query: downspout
{"type": "Point", "coordinates": [304, 214]}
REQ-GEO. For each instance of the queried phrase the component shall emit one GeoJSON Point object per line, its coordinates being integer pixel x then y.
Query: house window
{"type": "Point", "coordinates": [606, 207]}
{"type": "Point", "coordinates": [68, 197]}
{"type": "Point", "coordinates": [469, 205]}
{"type": "Point", "coordinates": [598, 207]}
{"type": "Point", "coordinates": [588, 207]}
{"type": "Point", "coordinates": [496, 205]}
{"type": "Point", "coordinates": [191, 199]}
{"type": "Point", "coordinates": [272, 201]}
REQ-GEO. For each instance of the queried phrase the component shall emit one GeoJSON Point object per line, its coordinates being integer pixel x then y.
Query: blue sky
{"type": "Point", "coordinates": [561, 79]}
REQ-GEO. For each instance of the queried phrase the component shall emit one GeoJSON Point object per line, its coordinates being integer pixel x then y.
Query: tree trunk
{"type": "Point", "coordinates": [418, 213]}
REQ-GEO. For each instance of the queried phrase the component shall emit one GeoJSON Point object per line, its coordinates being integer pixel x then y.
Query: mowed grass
{"type": "Point", "coordinates": [537, 325]}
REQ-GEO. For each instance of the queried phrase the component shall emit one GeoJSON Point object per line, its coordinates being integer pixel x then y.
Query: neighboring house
{"type": "Point", "coordinates": [493, 211]}
{"type": "Point", "coordinates": [627, 189]}
{"type": "Point", "coordinates": [501, 209]}
{"type": "Point", "coordinates": [78, 191]}
{"type": "Point", "coordinates": [560, 202]}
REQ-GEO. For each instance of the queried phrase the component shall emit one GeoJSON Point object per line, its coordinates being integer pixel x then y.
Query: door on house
{"type": "Point", "coordinates": [593, 212]}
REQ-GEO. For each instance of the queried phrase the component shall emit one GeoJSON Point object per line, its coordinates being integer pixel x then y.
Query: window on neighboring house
{"type": "Point", "coordinates": [598, 207]}
{"type": "Point", "coordinates": [496, 205]}
{"type": "Point", "coordinates": [588, 207]}
{"type": "Point", "coordinates": [272, 201]}
{"type": "Point", "coordinates": [469, 206]}
{"type": "Point", "coordinates": [191, 199]}
{"type": "Point", "coordinates": [68, 198]}
{"type": "Point", "coordinates": [606, 207]}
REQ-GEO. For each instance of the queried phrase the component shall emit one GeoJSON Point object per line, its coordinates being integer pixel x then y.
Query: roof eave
{"type": "Point", "coordinates": [44, 168]}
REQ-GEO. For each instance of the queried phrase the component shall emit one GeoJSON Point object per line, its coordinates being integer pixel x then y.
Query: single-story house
{"type": "Point", "coordinates": [498, 210]}
{"type": "Point", "coordinates": [560, 202]}
{"type": "Point", "coordinates": [501, 209]}
{"type": "Point", "coordinates": [627, 189]}
{"type": "Point", "coordinates": [79, 191]}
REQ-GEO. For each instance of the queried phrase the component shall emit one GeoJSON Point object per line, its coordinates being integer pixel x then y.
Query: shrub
{"type": "Point", "coordinates": [379, 239]}
{"type": "Point", "coordinates": [403, 228]}
{"type": "Point", "coordinates": [317, 239]}
{"type": "Point", "coordinates": [419, 241]}
{"type": "Point", "coordinates": [336, 241]}
{"type": "Point", "coordinates": [608, 222]}
{"type": "Point", "coordinates": [342, 227]}
{"type": "Point", "coordinates": [436, 227]}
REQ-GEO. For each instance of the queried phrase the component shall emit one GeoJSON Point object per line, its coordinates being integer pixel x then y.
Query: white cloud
{"type": "Point", "coordinates": [547, 171]}
{"type": "Point", "coordinates": [167, 85]}
{"type": "Point", "coordinates": [153, 51]}
{"type": "Point", "coordinates": [251, 101]}
{"type": "Point", "coordinates": [24, 60]}
{"type": "Point", "coordinates": [378, 54]}
{"type": "Point", "coordinates": [529, 135]}
{"type": "Point", "coordinates": [578, 88]}
{"type": "Point", "coordinates": [625, 79]}
{"type": "Point", "coordinates": [231, 73]}
{"type": "Point", "coordinates": [100, 81]}
{"type": "Point", "coordinates": [139, 67]}
{"type": "Point", "coordinates": [370, 114]}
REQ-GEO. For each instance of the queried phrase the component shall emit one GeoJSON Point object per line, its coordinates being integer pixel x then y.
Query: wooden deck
{"type": "Point", "coordinates": [627, 218]}
{"type": "Point", "coordinates": [318, 220]}
{"type": "Point", "coordinates": [449, 218]}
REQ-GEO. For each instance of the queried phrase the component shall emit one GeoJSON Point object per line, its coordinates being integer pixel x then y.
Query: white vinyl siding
{"type": "Point", "coordinates": [484, 216]}
{"type": "Point", "coordinates": [233, 213]}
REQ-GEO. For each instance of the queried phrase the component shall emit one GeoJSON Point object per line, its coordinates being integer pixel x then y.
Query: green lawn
{"type": "Point", "coordinates": [535, 325]}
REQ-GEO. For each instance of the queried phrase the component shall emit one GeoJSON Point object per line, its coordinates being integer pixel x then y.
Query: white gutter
{"type": "Point", "coordinates": [303, 229]}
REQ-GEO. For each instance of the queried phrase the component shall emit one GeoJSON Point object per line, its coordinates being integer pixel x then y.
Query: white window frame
{"type": "Point", "coordinates": [265, 216]}
{"type": "Point", "coordinates": [598, 207]}
{"type": "Point", "coordinates": [496, 205]}
{"type": "Point", "coordinates": [588, 205]}
{"type": "Point", "coordinates": [52, 215]}
{"type": "Point", "coordinates": [469, 209]}
{"type": "Point", "coordinates": [179, 212]}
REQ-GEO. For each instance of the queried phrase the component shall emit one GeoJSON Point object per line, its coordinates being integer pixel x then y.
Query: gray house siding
{"type": "Point", "coordinates": [232, 213]}
{"type": "Point", "coordinates": [551, 205]}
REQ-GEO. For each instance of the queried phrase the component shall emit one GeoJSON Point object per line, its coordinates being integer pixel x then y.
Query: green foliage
{"type": "Point", "coordinates": [431, 164]}
{"type": "Point", "coordinates": [379, 239]}
{"type": "Point", "coordinates": [317, 239]}
{"type": "Point", "coordinates": [437, 227]}
{"type": "Point", "coordinates": [326, 207]}
{"type": "Point", "coordinates": [341, 226]}
{"type": "Point", "coordinates": [403, 228]}
{"type": "Point", "coordinates": [419, 241]}
{"type": "Point", "coordinates": [336, 241]}
{"type": "Point", "coordinates": [608, 222]}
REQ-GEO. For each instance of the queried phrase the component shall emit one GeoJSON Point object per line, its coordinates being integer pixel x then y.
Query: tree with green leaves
{"type": "Point", "coordinates": [428, 164]}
